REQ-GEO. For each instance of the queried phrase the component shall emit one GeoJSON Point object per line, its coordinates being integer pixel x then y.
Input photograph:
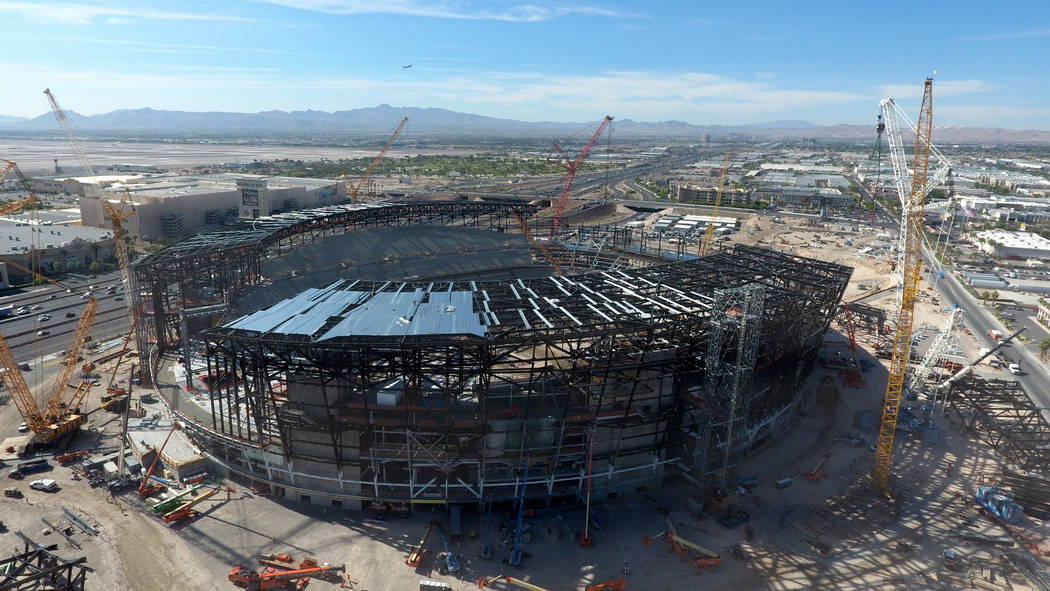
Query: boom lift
{"type": "Point", "coordinates": [146, 489]}
{"type": "Point", "coordinates": [271, 578]}
{"type": "Point", "coordinates": [375, 163]}
{"type": "Point", "coordinates": [416, 557]}
{"type": "Point", "coordinates": [912, 265]}
{"type": "Point", "coordinates": [616, 585]}
{"type": "Point", "coordinates": [705, 244]}
{"type": "Point", "coordinates": [571, 167]}
{"type": "Point", "coordinates": [708, 558]}
{"type": "Point", "coordinates": [185, 510]}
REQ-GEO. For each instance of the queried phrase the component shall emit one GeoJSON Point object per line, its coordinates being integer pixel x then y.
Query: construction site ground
{"type": "Point", "coordinates": [828, 532]}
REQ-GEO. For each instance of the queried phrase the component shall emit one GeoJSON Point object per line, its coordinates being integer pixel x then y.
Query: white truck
{"type": "Point", "coordinates": [1014, 369]}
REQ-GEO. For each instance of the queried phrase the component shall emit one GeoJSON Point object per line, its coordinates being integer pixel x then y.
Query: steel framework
{"type": "Point", "coordinates": [1002, 414]}
{"type": "Point", "coordinates": [36, 568]}
{"type": "Point", "coordinates": [614, 352]}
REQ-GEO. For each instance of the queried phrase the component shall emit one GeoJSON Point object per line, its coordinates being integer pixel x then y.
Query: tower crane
{"type": "Point", "coordinates": [705, 244]}
{"type": "Point", "coordinates": [912, 224]}
{"type": "Point", "coordinates": [375, 163]}
{"type": "Point", "coordinates": [572, 167]}
{"type": "Point", "coordinates": [116, 214]}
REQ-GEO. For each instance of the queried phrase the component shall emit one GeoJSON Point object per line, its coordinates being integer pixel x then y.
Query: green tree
{"type": "Point", "coordinates": [995, 297]}
{"type": "Point", "coordinates": [1044, 346]}
{"type": "Point", "coordinates": [94, 267]}
{"type": "Point", "coordinates": [985, 295]}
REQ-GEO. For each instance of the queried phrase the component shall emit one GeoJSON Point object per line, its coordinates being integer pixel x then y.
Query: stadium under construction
{"type": "Point", "coordinates": [429, 352]}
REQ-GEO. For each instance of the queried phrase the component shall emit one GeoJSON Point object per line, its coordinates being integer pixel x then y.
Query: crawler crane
{"type": "Point", "coordinates": [55, 420]}
{"type": "Point", "coordinates": [912, 266]}
{"type": "Point", "coordinates": [371, 168]}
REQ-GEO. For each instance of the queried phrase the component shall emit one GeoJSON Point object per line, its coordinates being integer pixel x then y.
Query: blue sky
{"type": "Point", "coordinates": [721, 62]}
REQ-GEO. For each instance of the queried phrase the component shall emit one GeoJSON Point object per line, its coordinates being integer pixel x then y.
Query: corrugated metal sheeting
{"type": "Point", "coordinates": [383, 313]}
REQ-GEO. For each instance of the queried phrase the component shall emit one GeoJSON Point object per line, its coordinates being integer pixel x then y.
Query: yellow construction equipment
{"type": "Point", "coordinates": [705, 243]}
{"type": "Point", "coordinates": [542, 247]}
{"type": "Point", "coordinates": [23, 183]}
{"type": "Point", "coordinates": [914, 210]}
{"type": "Point", "coordinates": [55, 420]}
{"type": "Point", "coordinates": [708, 559]}
{"type": "Point", "coordinates": [116, 214]}
{"type": "Point", "coordinates": [120, 243]}
{"type": "Point", "coordinates": [185, 510]}
{"type": "Point", "coordinates": [375, 163]}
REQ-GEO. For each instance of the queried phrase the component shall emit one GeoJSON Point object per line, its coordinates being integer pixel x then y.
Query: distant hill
{"type": "Point", "coordinates": [443, 122]}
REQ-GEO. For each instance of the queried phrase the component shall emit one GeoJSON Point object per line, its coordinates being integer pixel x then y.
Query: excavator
{"type": "Point", "coordinates": [616, 585]}
{"type": "Point", "coordinates": [274, 578]}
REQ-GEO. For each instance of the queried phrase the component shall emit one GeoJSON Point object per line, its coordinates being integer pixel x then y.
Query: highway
{"type": "Point", "coordinates": [20, 332]}
{"type": "Point", "coordinates": [979, 320]}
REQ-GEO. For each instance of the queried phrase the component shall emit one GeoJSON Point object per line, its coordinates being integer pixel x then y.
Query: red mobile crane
{"type": "Point", "coordinates": [571, 168]}
{"type": "Point", "coordinates": [146, 489]}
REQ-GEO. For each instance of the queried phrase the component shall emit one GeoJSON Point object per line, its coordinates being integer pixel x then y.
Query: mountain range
{"type": "Point", "coordinates": [443, 122]}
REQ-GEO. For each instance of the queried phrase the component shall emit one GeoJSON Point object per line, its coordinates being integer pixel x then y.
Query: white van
{"type": "Point", "coordinates": [47, 485]}
{"type": "Point", "coordinates": [1014, 369]}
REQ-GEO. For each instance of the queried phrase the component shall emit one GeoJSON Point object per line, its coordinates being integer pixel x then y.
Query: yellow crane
{"type": "Point", "coordinates": [54, 420]}
{"type": "Point", "coordinates": [705, 243]}
{"type": "Point", "coordinates": [914, 212]}
{"type": "Point", "coordinates": [371, 168]}
{"type": "Point", "coordinates": [23, 182]}
{"type": "Point", "coordinates": [120, 244]}
{"type": "Point", "coordinates": [116, 214]}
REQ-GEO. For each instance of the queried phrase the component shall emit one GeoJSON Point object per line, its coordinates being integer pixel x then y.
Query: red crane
{"type": "Point", "coordinates": [571, 167]}
{"type": "Point", "coordinates": [146, 489]}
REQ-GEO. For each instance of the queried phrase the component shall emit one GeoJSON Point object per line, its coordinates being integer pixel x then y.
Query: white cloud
{"type": "Point", "coordinates": [940, 89]}
{"type": "Point", "coordinates": [450, 10]}
{"type": "Point", "coordinates": [86, 14]}
{"type": "Point", "coordinates": [642, 95]}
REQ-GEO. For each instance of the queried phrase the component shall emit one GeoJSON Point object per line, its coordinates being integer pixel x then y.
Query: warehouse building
{"type": "Point", "coordinates": [177, 206]}
{"type": "Point", "coordinates": [1014, 245]}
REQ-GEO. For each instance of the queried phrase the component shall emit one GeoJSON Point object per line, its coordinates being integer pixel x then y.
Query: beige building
{"type": "Point", "coordinates": [176, 206]}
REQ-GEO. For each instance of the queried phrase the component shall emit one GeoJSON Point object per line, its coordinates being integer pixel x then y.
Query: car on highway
{"type": "Point", "coordinates": [23, 427]}
{"type": "Point", "coordinates": [43, 318]}
{"type": "Point", "coordinates": [22, 310]}
{"type": "Point", "coordinates": [37, 307]}
{"type": "Point", "coordinates": [71, 314]}
{"type": "Point", "coordinates": [52, 296]}
{"type": "Point", "coordinates": [118, 298]}
{"type": "Point", "coordinates": [42, 333]}
{"type": "Point", "coordinates": [84, 296]}
{"type": "Point", "coordinates": [46, 485]}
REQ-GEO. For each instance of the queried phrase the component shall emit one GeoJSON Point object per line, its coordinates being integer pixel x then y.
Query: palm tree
{"type": "Point", "coordinates": [1044, 346]}
{"type": "Point", "coordinates": [995, 297]}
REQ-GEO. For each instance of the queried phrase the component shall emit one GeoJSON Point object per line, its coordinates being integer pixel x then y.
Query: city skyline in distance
{"type": "Point", "coordinates": [537, 61]}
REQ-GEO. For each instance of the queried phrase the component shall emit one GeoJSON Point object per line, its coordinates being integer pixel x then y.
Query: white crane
{"type": "Point", "coordinates": [901, 177]}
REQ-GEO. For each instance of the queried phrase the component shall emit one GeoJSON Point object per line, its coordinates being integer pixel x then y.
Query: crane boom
{"type": "Point", "coordinates": [54, 407]}
{"type": "Point", "coordinates": [913, 214]}
{"type": "Point", "coordinates": [571, 167]}
{"type": "Point", "coordinates": [705, 244]}
{"type": "Point", "coordinates": [542, 247]}
{"type": "Point", "coordinates": [144, 489]}
{"type": "Point", "coordinates": [375, 163]}
{"type": "Point", "coordinates": [74, 143]}
{"type": "Point", "coordinates": [23, 182]}
{"type": "Point", "coordinates": [16, 385]}
{"type": "Point", "coordinates": [120, 244]}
